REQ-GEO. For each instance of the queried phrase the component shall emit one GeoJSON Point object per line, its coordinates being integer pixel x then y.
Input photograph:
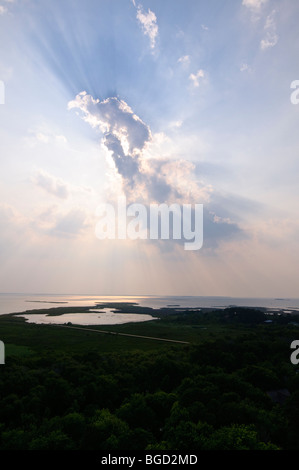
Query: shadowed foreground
{"type": "Point", "coordinates": [233, 387]}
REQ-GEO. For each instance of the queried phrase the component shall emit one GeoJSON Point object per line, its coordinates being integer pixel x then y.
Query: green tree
{"type": "Point", "coordinates": [137, 413]}
{"type": "Point", "coordinates": [56, 440]}
{"type": "Point", "coordinates": [106, 431]}
{"type": "Point", "coordinates": [14, 439]}
{"type": "Point", "coordinates": [236, 437]}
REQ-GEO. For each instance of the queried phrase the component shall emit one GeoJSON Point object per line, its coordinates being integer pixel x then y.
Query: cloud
{"type": "Point", "coordinates": [125, 135]}
{"type": "Point", "coordinates": [148, 22]}
{"type": "Point", "coordinates": [245, 67]}
{"type": "Point", "coordinates": [51, 184]}
{"type": "Point", "coordinates": [184, 60]}
{"type": "Point", "coordinates": [61, 189]}
{"type": "Point", "coordinates": [4, 9]}
{"type": "Point", "coordinates": [13, 231]}
{"type": "Point", "coordinates": [62, 223]}
{"type": "Point", "coordinates": [126, 138]}
{"type": "Point", "coordinates": [175, 124]}
{"type": "Point", "coordinates": [113, 116]}
{"type": "Point", "coordinates": [269, 41]}
{"type": "Point", "coordinates": [217, 229]}
{"type": "Point", "coordinates": [26, 237]}
{"type": "Point", "coordinates": [43, 135]}
{"type": "Point", "coordinates": [271, 38]}
{"type": "Point", "coordinates": [254, 5]}
{"type": "Point", "coordinates": [195, 78]}
{"type": "Point", "coordinates": [60, 139]}
{"type": "Point", "coordinates": [146, 176]}
{"type": "Point", "coordinates": [69, 225]}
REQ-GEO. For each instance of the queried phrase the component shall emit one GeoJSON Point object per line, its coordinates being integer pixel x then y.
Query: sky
{"type": "Point", "coordinates": [158, 102]}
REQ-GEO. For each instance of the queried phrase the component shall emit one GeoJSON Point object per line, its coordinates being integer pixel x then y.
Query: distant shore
{"type": "Point", "coordinates": [113, 313]}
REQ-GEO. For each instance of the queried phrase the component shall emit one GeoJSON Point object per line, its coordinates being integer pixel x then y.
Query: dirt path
{"type": "Point", "coordinates": [123, 334]}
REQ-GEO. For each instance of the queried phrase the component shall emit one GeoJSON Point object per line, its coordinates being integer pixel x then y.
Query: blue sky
{"type": "Point", "coordinates": [199, 93]}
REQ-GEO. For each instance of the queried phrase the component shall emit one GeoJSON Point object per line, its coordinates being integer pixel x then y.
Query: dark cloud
{"type": "Point", "coordinates": [126, 165]}
{"type": "Point", "coordinates": [216, 230]}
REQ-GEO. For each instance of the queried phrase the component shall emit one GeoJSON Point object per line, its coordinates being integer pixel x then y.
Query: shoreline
{"type": "Point", "coordinates": [19, 303]}
{"type": "Point", "coordinates": [117, 313]}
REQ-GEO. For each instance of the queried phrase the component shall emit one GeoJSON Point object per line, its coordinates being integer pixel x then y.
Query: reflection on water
{"type": "Point", "coordinates": [94, 318]}
{"type": "Point", "coordinates": [13, 303]}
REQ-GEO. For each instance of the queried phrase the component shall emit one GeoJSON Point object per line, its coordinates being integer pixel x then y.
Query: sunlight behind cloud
{"type": "Point", "coordinates": [168, 102]}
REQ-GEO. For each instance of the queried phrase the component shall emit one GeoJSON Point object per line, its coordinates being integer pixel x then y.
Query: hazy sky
{"type": "Point", "coordinates": [160, 101]}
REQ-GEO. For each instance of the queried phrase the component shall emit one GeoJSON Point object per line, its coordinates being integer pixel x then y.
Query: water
{"type": "Point", "coordinates": [97, 317]}
{"type": "Point", "coordinates": [16, 303]}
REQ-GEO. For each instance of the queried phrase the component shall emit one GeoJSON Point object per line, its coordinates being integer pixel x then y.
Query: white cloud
{"type": "Point", "coordinates": [114, 117]}
{"type": "Point", "coordinates": [245, 67]}
{"type": "Point", "coordinates": [254, 5]}
{"type": "Point", "coordinates": [70, 224]}
{"type": "Point", "coordinates": [149, 25]}
{"type": "Point", "coordinates": [175, 124]}
{"type": "Point", "coordinates": [13, 231]}
{"type": "Point", "coordinates": [3, 9]}
{"type": "Point", "coordinates": [55, 221]}
{"type": "Point", "coordinates": [271, 37]}
{"type": "Point", "coordinates": [45, 136]}
{"type": "Point", "coordinates": [144, 171]}
{"type": "Point", "coordinates": [62, 189]}
{"type": "Point", "coordinates": [51, 184]}
{"type": "Point", "coordinates": [270, 21]}
{"type": "Point", "coordinates": [42, 137]}
{"type": "Point", "coordinates": [195, 78]}
{"type": "Point", "coordinates": [184, 60]}
{"type": "Point", "coordinates": [269, 41]}
{"type": "Point", "coordinates": [60, 139]}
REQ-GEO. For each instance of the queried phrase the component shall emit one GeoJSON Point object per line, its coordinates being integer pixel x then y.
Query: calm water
{"type": "Point", "coordinates": [103, 317]}
{"type": "Point", "coordinates": [16, 303]}
{"type": "Point", "coordinates": [13, 303]}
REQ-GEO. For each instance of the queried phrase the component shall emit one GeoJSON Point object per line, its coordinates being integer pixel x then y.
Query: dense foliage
{"type": "Point", "coordinates": [212, 395]}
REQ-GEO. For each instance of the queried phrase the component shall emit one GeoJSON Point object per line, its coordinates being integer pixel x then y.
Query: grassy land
{"type": "Point", "coordinates": [68, 388]}
{"type": "Point", "coordinates": [15, 331]}
{"type": "Point", "coordinates": [21, 337]}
